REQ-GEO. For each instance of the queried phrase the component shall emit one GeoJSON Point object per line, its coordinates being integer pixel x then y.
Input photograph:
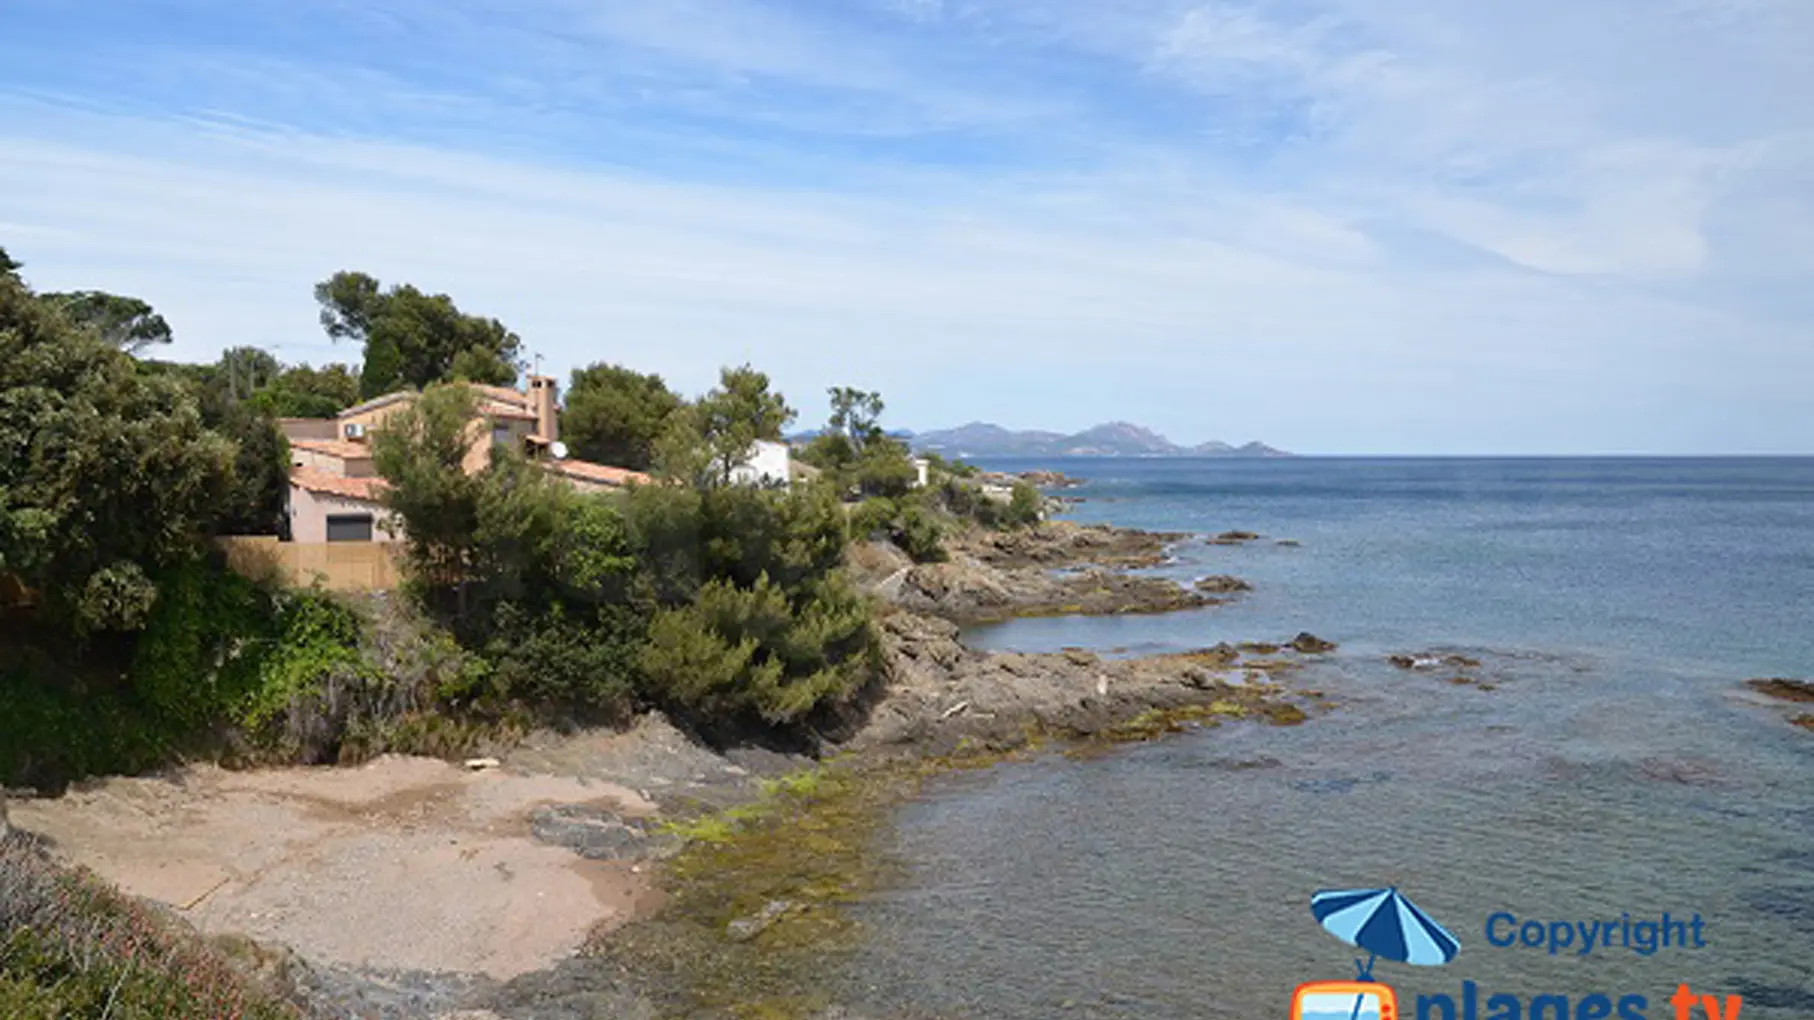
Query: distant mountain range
{"type": "Point", "coordinates": [1115, 439]}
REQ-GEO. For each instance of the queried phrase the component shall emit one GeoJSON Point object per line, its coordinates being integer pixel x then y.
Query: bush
{"type": "Point", "coordinates": [749, 656]}
{"type": "Point", "coordinates": [572, 664]}
{"type": "Point", "coordinates": [1025, 507]}
{"type": "Point", "coordinates": [220, 651]}
{"type": "Point", "coordinates": [908, 523]}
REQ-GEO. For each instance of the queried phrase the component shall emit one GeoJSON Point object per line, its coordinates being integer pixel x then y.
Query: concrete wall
{"type": "Point", "coordinates": [767, 465]}
{"type": "Point", "coordinates": [478, 450]}
{"type": "Point", "coordinates": [349, 467]}
{"type": "Point", "coordinates": [338, 566]}
{"type": "Point", "coordinates": [309, 428]}
{"type": "Point", "coordinates": [374, 419]}
{"type": "Point", "coordinates": [309, 518]}
{"type": "Point", "coordinates": [544, 400]}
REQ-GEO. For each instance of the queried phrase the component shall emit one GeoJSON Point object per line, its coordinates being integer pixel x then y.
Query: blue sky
{"type": "Point", "coordinates": [1341, 226]}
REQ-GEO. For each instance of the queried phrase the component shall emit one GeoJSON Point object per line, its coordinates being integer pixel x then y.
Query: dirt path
{"type": "Point", "coordinates": [405, 863]}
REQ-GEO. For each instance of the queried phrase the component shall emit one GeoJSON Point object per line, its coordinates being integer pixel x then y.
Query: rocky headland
{"type": "Point", "coordinates": [1056, 569]}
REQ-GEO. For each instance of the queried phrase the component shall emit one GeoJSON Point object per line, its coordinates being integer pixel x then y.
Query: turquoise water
{"type": "Point", "coordinates": [1617, 768]}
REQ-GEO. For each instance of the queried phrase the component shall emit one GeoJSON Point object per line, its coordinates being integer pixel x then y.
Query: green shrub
{"type": "Point", "coordinates": [1025, 507]}
{"type": "Point", "coordinates": [966, 500]}
{"type": "Point", "coordinates": [920, 533]}
{"type": "Point", "coordinates": [566, 662]}
{"type": "Point", "coordinates": [874, 519]}
{"type": "Point", "coordinates": [907, 522]}
{"type": "Point", "coordinates": [741, 655]}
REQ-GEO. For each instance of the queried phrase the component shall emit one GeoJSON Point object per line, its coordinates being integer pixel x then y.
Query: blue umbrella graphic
{"type": "Point", "coordinates": [1385, 924]}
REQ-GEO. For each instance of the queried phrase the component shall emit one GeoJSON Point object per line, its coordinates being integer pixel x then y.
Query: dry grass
{"type": "Point", "coordinates": [72, 947]}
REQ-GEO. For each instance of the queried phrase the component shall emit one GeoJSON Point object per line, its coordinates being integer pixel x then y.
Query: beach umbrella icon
{"type": "Point", "coordinates": [1386, 925]}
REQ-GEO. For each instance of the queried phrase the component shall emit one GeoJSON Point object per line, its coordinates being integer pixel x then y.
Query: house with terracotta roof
{"type": "Point", "coordinates": [336, 494]}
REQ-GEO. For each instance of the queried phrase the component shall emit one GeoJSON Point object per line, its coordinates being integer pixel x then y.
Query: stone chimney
{"type": "Point", "coordinates": [544, 400]}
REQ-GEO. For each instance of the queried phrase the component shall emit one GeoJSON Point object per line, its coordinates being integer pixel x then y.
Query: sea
{"type": "Point", "coordinates": [1605, 768]}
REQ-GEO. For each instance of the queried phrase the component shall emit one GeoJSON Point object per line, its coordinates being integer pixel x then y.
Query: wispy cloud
{"type": "Point", "coordinates": [1342, 225]}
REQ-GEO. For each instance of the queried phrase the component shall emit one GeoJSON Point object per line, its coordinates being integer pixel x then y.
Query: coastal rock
{"type": "Point", "coordinates": [1433, 660]}
{"type": "Point", "coordinates": [1008, 697]}
{"type": "Point", "coordinates": [1066, 544]}
{"type": "Point", "coordinates": [1222, 584]}
{"type": "Point", "coordinates": [1234, 538]}
{"type": "Point", "coordinates": [1783, 689]}
{"type": "Point", "coordinates": [972, 591]}
{"type": "Point", "coordinates": [1309, 644]}
{"type": "Point", "coordinates": [592, 832]}
{"type": "Point", "coordinates": [744, 929]}
{"type": "Point", "coordinates": [1049, 479]}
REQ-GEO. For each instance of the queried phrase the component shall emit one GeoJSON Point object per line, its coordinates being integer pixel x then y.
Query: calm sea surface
{"type": "Point", "coordinates": [1617, 768]}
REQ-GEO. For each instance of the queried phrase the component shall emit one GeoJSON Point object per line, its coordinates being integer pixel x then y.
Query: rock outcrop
{"type": "Point", "coordinates": [942, 695]}
{"type": "Point", "coordinates": [1056, 569]}
{"type": "Point", "coordinates": [1783, 689]}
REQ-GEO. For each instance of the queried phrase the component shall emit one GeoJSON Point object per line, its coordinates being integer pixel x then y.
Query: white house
{"type": "Point", "coordinates": [768, 463]}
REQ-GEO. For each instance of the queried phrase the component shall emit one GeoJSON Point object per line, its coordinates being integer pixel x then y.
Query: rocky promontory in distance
{"type": "Point", "coordinates": [1114, 439]}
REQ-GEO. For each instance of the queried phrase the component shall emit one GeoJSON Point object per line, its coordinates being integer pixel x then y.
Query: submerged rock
{"type": "Point", "coordinates": [1234, 538]}
{"type": "Point", "coordinates": [1309, 644]}
{"type": "Point", "coordinates": [592, 832]}
{"type": "Point", "coordinates": [1783, 690]}
{"type": "Point", "coordinates": [1222, 584]}
{"type": "Point", "coordinates": [744, 929]}
{"type": "Point", "coordinates": [1432, 660]}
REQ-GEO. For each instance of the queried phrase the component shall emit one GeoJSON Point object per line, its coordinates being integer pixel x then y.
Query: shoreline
{"type": "Point", "coordinates": [594, 824]}
{"type": "Point", "coordinates": [1058, 568]}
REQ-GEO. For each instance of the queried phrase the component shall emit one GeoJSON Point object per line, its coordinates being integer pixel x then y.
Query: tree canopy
{"type": "Point", "coordinates": [420, 452]}
{"type": "Point", "coordinates": [301, 391]}
{"type": "Point", "coordinates": [707, 440]}
{"type": "Point", "coordinates": [123, 322]}
{"type": "Point", "coordinates": [856, 452]}
{"type": "Point", "coordinates": [616, 415]}
{"type": "Point", "coordinates": [415, 339]}
{"type": "Point", "coordinates": [106, 472]}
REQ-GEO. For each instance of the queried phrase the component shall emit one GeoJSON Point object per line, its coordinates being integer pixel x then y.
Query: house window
{"type": "Point", "coordinates": [500, 434]}
{"type": "Point", "coordinates": [349, 527]}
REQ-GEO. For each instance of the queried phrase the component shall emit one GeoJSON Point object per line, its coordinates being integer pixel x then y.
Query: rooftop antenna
{"type": "Point", "coordinates": [538, 364]}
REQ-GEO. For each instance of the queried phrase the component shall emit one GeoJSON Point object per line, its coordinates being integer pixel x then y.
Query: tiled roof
{"type": "Point", "coordinates": [494, 409]}
{"type": "Point", "coordinates": [377, 402]}
{"type": "Point", "coordinates": [496, 401]}
{"type": "Point", "coordinates": [366, 489]}
{"type": "Point", "coordinates": [501, 394]}
{"type": "Point", "coordinates": [334, 448]}
{"type": "Point", "coordinates": [598, 473]}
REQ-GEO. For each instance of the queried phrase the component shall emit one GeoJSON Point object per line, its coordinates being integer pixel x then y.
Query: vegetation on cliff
{"type": "Point", "coordinates": [129, 644]}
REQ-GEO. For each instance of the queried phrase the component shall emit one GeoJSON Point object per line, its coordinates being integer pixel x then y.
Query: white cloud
{"type": "Point", "coordinates": [1346, 225]}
